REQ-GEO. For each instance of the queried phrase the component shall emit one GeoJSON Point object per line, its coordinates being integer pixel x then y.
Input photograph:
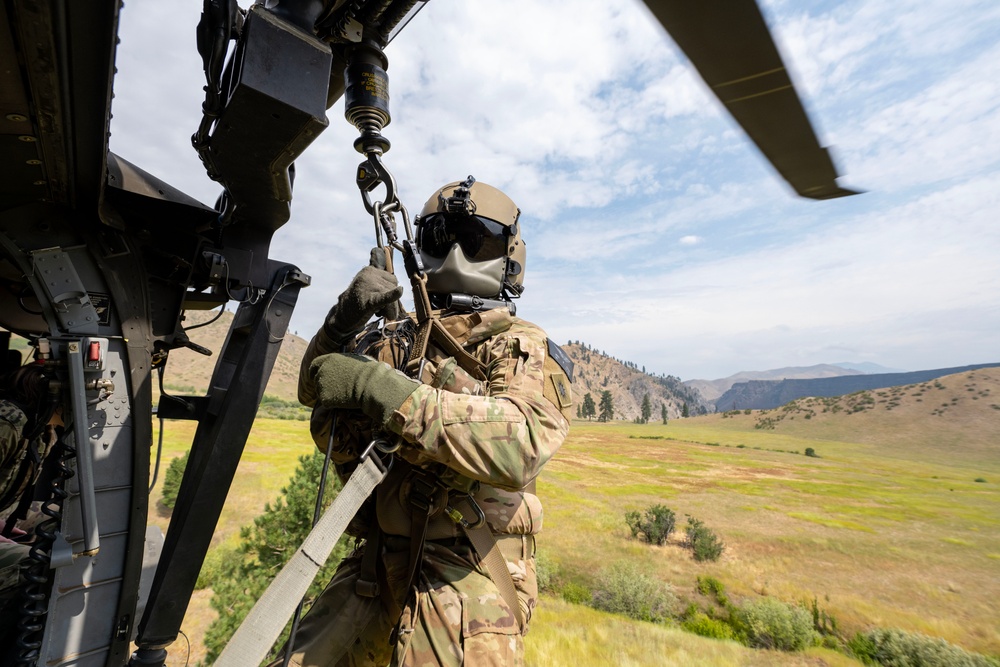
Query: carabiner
{"type": "Point", "coordinates": [371, 174]}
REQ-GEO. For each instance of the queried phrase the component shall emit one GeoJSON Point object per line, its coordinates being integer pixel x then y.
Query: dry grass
{"type": "Point", "coordinates": [270, 457]}
{"type": "Point", "coordinates": [883, 530]}
{"type": "Point", "coordinates": [879, 541]}
{"type": "Point", "coordinates": [567, 635]}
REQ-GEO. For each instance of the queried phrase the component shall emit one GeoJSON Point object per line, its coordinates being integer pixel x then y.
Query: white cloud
{"type": "Point", "coordinates": [622, 164]}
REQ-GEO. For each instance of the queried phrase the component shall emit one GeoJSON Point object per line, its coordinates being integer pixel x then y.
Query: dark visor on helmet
{"type": "Point", "coordinates": [481, 239]}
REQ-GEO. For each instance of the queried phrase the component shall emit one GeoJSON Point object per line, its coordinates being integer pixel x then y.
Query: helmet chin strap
{"type": "Point", "coordinates": [511, 290]}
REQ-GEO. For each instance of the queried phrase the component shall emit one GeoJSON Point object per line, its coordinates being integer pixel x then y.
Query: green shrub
{"type": "Point", "coordinates": [575, 593]}
{"type": "Point", "coordinates": [172, 480]}
{"type": "Point", "coordinates": [623, 589]}
{"type": "Point", "coordinates": [896, 648]}
{"type": "Point", "coordinates": [705, 626]}
{"type": "Point", "coordinates": [981, 480]}
{"type": "Point", "coordinates": [634, 520]}
{"type": "Point", "coordinates": [212, 568]}
{"type": "Point", "coordinates": [655, 525]}
{"type": "Point", "coordinates": [823, 622]}
{"type": "Point", "coordinates": [712, 587]}
{"type": "Point", "coordinates": [546, 572]}
{"type": "Point", "coordinates": [703, 541]}
{"type": "Point", "coordinates": [811, 452]}
{"type": "Point", "coordinates": [772, 624]}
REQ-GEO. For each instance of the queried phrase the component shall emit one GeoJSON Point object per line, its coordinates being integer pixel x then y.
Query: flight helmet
{"type": "Point", "coordinates": [470, 242]}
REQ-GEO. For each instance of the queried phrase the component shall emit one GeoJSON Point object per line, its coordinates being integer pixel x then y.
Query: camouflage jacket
{"type": "Point", "coordinates": [12, 450]}
{"type": "Point", "coordinates": [498, 432]}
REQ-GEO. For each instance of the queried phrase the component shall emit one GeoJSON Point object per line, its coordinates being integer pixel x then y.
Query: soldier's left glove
{"type": "Point", "coordinates": [352, 381]}
{"type": "Point", "coordinates": [373, 290]}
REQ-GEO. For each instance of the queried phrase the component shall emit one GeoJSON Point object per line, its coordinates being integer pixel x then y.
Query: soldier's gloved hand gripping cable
{"type": "Point", "coordinates": [373, 291]}
{"type": "Point", "coordinates": [354, 381]}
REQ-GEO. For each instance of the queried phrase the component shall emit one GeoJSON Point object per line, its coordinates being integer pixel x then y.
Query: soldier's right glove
{"type": "Point", "coordinates": [354, 381]}
{"type": "Point", "coordinates": [373, 290]}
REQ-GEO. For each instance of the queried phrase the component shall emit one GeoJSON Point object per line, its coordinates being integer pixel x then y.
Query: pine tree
{"type": "Point", "coordinates": [647, 409]}
{"type": "Point", "coordinates": [607, 407]}
{"type": "Point", "coordinates": [684, 411]}
{"type": "Point", "coordinates": [663, 412]}
{"type": "Point", "coordinates": [265, 547]}
{"type": "Point", "coordinates": [589, 408]}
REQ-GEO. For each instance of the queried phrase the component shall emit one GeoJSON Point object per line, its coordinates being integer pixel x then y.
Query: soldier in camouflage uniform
{"type": "Point", "coordinates": [411, 595]}
{"type": "Point", "coordinates": [22, 448]}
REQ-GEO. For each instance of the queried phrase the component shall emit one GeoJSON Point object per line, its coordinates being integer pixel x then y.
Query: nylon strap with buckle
{"type": "Point", "coordinates": [486, 547]}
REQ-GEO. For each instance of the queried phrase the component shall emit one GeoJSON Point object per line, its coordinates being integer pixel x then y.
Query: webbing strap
{"type": "Point", "coordinates": [494, 562]}
{"type": "Point", "coordinates": [429, 327]}
{"type": "Point", "coordinates": [258, 632]}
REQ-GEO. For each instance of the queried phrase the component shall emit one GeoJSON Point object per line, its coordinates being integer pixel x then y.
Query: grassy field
{"type": "Point", "coordinates": [881, 530]}
{"type": "Point", "coordinates": [879, 541]}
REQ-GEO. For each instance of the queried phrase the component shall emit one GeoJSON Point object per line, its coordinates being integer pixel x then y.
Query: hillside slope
{"type": "Point", "coordinates": [596, 372]}
{"type": "Point", "coordinates": [188, 371]}
{"type": "Point", "coordinates": [955, 418]}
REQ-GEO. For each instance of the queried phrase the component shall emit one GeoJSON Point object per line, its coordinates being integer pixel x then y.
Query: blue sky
{"type": "Point", "coordinates": [655, 230]}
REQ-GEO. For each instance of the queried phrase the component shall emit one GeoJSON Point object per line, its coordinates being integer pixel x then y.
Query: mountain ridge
{"type": "Point", "coordinates": [596, 371]}
{"type": "Point", "coordinates": [713, 389]}
{"type": "Point", "coordinates": [769, 394]}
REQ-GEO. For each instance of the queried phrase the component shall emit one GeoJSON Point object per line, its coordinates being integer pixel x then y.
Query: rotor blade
{"type": "Point", "coordinates": [732, 49]}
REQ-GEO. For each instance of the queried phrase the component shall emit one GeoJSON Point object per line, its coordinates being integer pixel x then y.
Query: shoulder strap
{"type": "Point", "coordinates": [429, 327]}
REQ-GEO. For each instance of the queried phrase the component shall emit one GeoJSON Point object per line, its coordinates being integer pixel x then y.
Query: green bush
{"type": "Point", "coordinates": [703, 541]}
{"type": "Point", "coordinates": [823, 622]}
{"type": "Point", "coordinates": [546, 572]}
{"type": "Point", "coordinates": [654, 526]}
{"type": "Point", "coordinates": [172, 480]}
{"type": "Point", "coordinates": [706, 626]}
{"type": "Point", "coordinates": [772, 624]}
{"type": "Point", "coordinates": [811, 452]}
{"type": "Point", "coordinates": [212, 568]}
{"type": "Point", "coordinates": [575, 593]}
{"type": "Point", "coordinates": [623, 589]}
{"type": "Point", "coordinates": [712, 587]}
{"type": "Point", "coordinates": [981, 480]}
{"type": "Point", "coordinates": [896, 648]}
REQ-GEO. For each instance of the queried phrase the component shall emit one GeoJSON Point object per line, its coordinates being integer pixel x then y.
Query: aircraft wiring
{"type": "Point", "coordinates": [211, 321]}
{"type": "Point", "coordinates": [187, 658]}
{"type": "Point", "coordinates": [253, 294]}
{"type": "Point", "coordinates": [27, 291]}
{"type": "Point", "coordinates": [159, 444]}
